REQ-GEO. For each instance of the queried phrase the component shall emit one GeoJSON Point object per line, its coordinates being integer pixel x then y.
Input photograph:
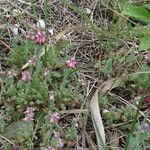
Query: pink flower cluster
{"type": "Point", "coordinates": [29, 114]}
{"type": "Point", "coordinates": [147, 56]}
{"type": "Point", "coordinates": [32, 61]}
{"type": "Point", "coordinates": [30, 36]}
{"type": "Point", "coordinates": [71, 63]}
{"type": "Point", "coordinates": [53, 118]}
{"type": "Point", "coordinates": [60, 142]}
{"type": "Point", "coordinates": [56, 134]}
{"type": "Point", "coordinates": [147, 101]}
{"type": "Point", "coordinates": [26, 76]}
{"type": "Point", "coordinates": [39, 37]}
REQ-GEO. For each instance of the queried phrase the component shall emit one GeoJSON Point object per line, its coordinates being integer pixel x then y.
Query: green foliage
{"type": "Point", "coordinates": [17, 94]}
{"type": "Point", "coordinates": [2, 123]}
{"type": "Point", "coordinates": [21, 53]}
{"type": "Point", "coordinates": [147, 6]}
{"type": "Point", "coordinates": [117, 37]}
{"type": "Point", "coordinates": [136, 12]}
{"type": "Point", "coordinates": [2, 14]}
{"type": "Point", "coordinates": [144, 43]}
{"type": "Point", "coordinates": [71, 133]}
{"type": "Point", "coordinates": [143, 15]}
{"type": "Point", "coordinates": [104, 100]}
{"type": "Point", "coordinates": [138, 138]}
{"type": "Point", "coordinates": [142, 78]}
{"type": "Point", "coordinates": [128, 113]}
{"type": "Point", "coordinates": [107, 67]}
{"type": "Point", "coordinates": [110, 117]}
{"type": "Point", "coordinates": [21, 130]}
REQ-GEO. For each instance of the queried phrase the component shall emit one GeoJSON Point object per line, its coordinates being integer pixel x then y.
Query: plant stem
{"type": "Point", "coordinates": [134, 122]}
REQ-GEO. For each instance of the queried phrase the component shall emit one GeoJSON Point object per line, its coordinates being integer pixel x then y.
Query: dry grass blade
{"type": "Point", "coordinates": [95, 110]}
{"type": "Point", "coordinates": [67, 30]}
{"type": "Point", "coordinates": [7, 46]}
{"type": "Point", "coordinates": [97, 119]}
{"type": "Point", "coordinates": [111, 84]}
{"type": "Point", "coordinates": [25, 66]}
{"type": "Point", "coordinates": [75, 111]}
{"type": "Point", "coordinates": [6, 139]}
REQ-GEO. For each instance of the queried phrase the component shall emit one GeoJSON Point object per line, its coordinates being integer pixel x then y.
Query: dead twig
{"type": "Point", "coordinates": [8, 47]}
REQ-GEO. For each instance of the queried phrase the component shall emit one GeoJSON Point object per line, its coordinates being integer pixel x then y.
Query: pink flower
{"type": "Point", "coordinates": [54, 118]}
{"type": "Point", "coordinates": [40, 38]}
{"type": "Point", "coordinates": [26, 76]}
{"type": "Point", "coordinates": [56, 134]}
{"type": "Point", "coordinates": [30, 36]}
{"type": "Point", "coordinates": [29, 114]}
{"type": "Point", "coordinates": [147, 56]}
{"type": "Point", "coordinates": [29, 110]}
{"type": "Point", "coordinates": [12, 73]}
{"type": "Point", "coordinates": [15, 147]}
{"type": "Point", "coordinates": [27, 119]}
{"type": "Point", "coordinates": [32, 61]}
{"type": "Point", "coordinates": [147, 101]}
{"type": "Point", "coordinates": [145, 127]}
{"type": "Point", "coordinates": [71, 63]}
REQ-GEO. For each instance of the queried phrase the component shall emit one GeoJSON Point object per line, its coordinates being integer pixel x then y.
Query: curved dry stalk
{"type": "Point", "coordinates": [95, 110]}
{"type": "Point", "coordinates": [97, 120]}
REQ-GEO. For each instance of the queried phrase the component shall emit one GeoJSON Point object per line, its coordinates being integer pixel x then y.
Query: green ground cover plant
{"type": "Point", "coordinates": [74, 75]}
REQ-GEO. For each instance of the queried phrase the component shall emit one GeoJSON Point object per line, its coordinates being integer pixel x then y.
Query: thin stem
{"type": "Point", "coordinates": [6, 139]}
{"type": "Point", "coordinates": [134, 122]}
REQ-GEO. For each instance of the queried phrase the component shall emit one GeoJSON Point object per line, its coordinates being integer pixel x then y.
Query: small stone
{"type": "Point", "coordinates": [41, 24]}
{"type": "Point", "coordinates": [14, 30]}
{"type": "Point", "coordinates": [105, 111]}
{"type": "Point", "coordinates": [51, 31]}
{"type": "Point", "coordinates": [88, 11]}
